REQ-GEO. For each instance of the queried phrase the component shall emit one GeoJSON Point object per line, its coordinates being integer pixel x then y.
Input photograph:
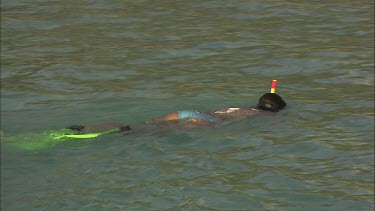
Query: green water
{"type": "Point", "coordinates": [86, 62]}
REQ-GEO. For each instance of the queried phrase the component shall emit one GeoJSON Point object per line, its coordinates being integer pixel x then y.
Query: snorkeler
{"type": "Point", "coordinates": [269, 102]}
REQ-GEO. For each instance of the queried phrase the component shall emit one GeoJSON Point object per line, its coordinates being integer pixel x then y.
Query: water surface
{"type": "Point", "coordinates": [87, 62]}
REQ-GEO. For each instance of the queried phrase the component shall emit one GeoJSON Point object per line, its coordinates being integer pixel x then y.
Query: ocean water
{"type": "Point", "coordinates": [95, 61]}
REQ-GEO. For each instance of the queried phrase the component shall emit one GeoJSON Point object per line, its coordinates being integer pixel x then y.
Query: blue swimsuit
{"type": "Point", "coordinates": [189, 114]}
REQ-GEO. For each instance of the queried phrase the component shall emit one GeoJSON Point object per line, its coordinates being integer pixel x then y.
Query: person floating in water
{"type": "Point", "coordinates": [269, 102]}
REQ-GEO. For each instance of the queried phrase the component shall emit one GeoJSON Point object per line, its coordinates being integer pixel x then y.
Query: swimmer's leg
{"type": "Point", "coordinates": [168, 117]}
{"type": "Point", "coordinates": [124, 129]}
{"type": "Point", "coordinates": [77, 128]}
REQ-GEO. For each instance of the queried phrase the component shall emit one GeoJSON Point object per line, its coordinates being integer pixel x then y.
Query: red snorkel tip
{"type": "Point", "coordinates": [273, 86]}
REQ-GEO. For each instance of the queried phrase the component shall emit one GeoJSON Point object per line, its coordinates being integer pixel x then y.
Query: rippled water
{"type": "Point", "coordinates": [85, 62]}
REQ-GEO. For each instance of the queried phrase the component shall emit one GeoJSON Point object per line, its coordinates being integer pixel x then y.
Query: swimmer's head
{"type": "Point", "coordinates": [271, 102]}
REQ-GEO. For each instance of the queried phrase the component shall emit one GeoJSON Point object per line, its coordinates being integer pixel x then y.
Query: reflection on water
{"type": "Point", "coordinates": [97, 61]}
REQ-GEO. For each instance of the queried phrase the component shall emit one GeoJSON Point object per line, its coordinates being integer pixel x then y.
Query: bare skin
{"type": "Point", "coordinates": [168, 117]}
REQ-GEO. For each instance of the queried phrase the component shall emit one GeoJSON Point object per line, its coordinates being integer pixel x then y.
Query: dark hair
{"type": "Point", "coordinates": [271, 102]}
